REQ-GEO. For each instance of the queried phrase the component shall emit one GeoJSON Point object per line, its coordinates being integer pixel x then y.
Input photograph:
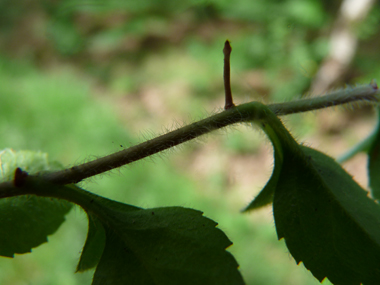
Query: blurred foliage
{"type": "Point", "coordinates": [81, 78]}
{"type": "Point", "coordinates": [281, 37]}
{"type": "Point", "coordinates": [111, 39]}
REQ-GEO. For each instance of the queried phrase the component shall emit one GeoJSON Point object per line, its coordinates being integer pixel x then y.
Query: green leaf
{"type": "Point", "coordinates": [164, 246]}
{"type": "Point", "coordinates": [26, 221]}
{"type": "Point", "coordinates": [327, 220]}
{"type": "Point", "coordinates": [94, 246]}
{"type": "Point", "coordinates": [374, 163]}
{"type": "Point", "coordinates": [171, 245]}
{"type": "Point", "coordinates": [265, 196]}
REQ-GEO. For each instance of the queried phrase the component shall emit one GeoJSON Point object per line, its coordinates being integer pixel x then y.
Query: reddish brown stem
{"type": "Point", "coordinates": [20, 177]}
{"type": "Point", "coordinates": [226, 76]}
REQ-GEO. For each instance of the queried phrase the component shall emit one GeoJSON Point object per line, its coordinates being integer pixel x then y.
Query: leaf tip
{"type": "Point", "coordinates": [248, 208]}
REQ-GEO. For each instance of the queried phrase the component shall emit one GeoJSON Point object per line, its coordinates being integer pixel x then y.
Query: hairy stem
{"type": "Point", "coordinates": [240, 114]}
{"type": "Point", "coordinates": [359, 94]}
{"type": "Point", "coordinates": [34, 185]}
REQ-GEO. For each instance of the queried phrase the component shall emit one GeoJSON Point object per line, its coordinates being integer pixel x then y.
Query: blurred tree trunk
{"type": "Point", "coordinates": [343, 43]}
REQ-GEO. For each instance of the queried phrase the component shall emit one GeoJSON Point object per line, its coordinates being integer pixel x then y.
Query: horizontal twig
{"type": "Point", "coordinates": [240, 114]}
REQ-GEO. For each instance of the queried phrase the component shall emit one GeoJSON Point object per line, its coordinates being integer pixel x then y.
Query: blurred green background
{"type": "Point", "coordinates": [82, 79]}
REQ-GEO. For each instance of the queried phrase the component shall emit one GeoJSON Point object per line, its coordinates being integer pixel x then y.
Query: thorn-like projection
{"type": "Point", "coordinates": [20, 177]}
{"type": "Point", "coordinates": [374, 84]}
{"type": "Point", "coordinates": [226, 76]}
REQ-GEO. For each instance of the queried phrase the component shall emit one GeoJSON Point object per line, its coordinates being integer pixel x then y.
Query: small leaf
{"type": "Point", "coordinates": [26, 221]}
{"type": "Point", "coordinates": [164, 246]}
{"type": "Point", "coordinates": [327, 220]}
{"type": "Point", "coordinates": [94, 246]}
